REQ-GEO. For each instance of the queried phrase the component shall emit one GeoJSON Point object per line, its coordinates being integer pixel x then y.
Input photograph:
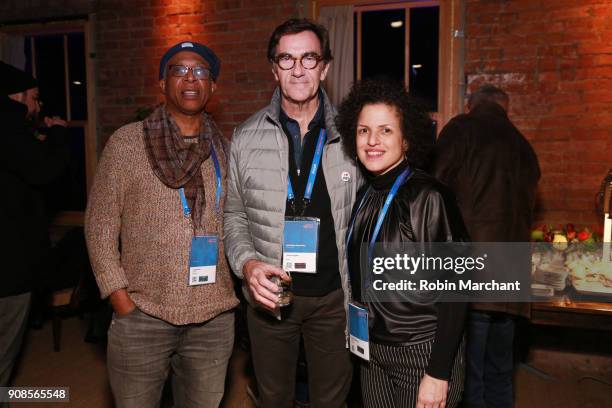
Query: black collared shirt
{"type": "Point", "coordinates": [301, 153]}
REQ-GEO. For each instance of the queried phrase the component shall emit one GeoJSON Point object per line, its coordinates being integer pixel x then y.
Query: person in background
{"type": "Point", "coordinates": [26, 164]}
{"type": "Point", "coordinates": [415, 348]}
{"type": "Point", "coordinates": [494, 173]}
{"type": "Point", "coordinates": [275, 147]}
{"type": "Point", "coordinates": [159, 190]}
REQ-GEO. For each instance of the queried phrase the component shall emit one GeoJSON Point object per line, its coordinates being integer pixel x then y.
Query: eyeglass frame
{"type": "Point", "coordinates": [317, 57]}
{"type": "Point", "coordinates": [208, 76]}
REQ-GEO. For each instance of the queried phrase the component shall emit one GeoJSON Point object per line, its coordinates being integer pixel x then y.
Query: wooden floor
{"type": "Point", "coordinates": [79, 365]}
{"type": "Point", "coordinates": [574, 381]}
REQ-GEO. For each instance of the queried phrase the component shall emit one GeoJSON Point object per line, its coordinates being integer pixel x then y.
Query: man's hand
{"type": "Point", "coordinates": [122, 304]}
{"type": "Point", "coordinates": [262, 290]}
{"type": "Point", "coordinates": [55, 120]}
{"type": "Point", "coordinates": [432, 393]}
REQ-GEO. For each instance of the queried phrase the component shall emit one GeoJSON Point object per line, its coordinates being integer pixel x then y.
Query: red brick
{"type": "Point", "coordinates": [138, 38]}
{"type": "Point", "coordinates": [191, 19]}
{"type": "Point", "coordinates": [165, 20]}
{"type": "Point", "coordinates": [592, 134]}
{"type": "Point", "coordinates": [483, 7]}
{"type": "Point", "coordinates": [221, 5]}
{"type": "Point", "coordinates": [547, 64]}
{"type": "Point", "coordinates": [596, 72]}
{"type": "Point", "coordinates": [554, 57]}
{"type": "Point", "coordinates": [569, 109]}
{"type": "Point", "coordinates": [537, 27]}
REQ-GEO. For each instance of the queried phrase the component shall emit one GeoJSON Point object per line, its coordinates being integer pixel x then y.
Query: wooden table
{"type": "Point", "coordinates": [569, 313]}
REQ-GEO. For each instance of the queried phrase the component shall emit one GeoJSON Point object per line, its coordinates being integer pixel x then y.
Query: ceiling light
{"type": "Point", "coordinates": [397, 24]}
{"type": "Point", "coordinates": [415, 66]}
{"type": "Point", "coordinates": [77, 82]}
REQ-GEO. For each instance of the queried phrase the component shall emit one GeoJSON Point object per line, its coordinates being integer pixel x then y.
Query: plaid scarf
{"type": "Point", "coordinates": [177, 163]}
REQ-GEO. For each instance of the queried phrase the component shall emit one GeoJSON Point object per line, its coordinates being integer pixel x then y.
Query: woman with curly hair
{"type": "Point", "coordinates": [415, 348]}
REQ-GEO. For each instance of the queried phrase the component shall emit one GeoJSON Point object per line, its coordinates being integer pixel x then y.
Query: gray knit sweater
{"type": "Point", "coordinates": [151, 260]}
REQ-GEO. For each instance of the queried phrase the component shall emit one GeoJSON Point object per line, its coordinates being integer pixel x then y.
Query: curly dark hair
{"type": "Point", "coordinates": [296, 26]}
{"type": "Point", "coordinates": [417, 126]}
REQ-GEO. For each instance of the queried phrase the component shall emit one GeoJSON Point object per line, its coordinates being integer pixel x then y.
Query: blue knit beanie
{"type": "Point", "coordinates": [200, 49]}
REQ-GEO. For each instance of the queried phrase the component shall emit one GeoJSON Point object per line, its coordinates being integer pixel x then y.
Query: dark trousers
{"type": "Point", "coordinates": [13, 317]}
{"type": "Point", "coordinates": [275, 347]}
{"type": "Point", "coordinates": [392, 377]}
{"type": "Point", "coordinates": [489, 360]}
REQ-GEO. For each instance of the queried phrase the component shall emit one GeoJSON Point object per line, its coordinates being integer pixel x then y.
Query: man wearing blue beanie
{"type": "Point", "coordinates": [159, 190]}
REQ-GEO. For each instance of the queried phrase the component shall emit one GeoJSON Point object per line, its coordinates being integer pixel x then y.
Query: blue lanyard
{"type": "Point", "coordinates": [382, 214]}
{"type": "Point", "coordinates": [218, 190]}
{"type": "Point", "coordinates": [314, 168]}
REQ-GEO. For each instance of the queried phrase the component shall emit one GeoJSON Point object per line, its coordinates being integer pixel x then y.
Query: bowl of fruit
{"type": "Point", "coordinates": [563, 237]}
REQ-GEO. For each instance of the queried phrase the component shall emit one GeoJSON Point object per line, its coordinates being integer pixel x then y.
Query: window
{"type": "Point", "coordinates": [58, 63]}
{"type": "Point", "coordinates": [400, 41]}
{"type": "Point", "coordinates": [418, 42]}
{"type": "Point", "coordinates": [58, 56]}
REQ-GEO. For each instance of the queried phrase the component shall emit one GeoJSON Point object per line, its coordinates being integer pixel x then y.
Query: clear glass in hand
{"type": "Point", "coordinates": [285, 296]}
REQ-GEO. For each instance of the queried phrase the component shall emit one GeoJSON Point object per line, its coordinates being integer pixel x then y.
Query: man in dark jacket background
{"type": "Point", "coordinates": [26, 163]}
{"type": "Point", "coordinates": [494, 172]}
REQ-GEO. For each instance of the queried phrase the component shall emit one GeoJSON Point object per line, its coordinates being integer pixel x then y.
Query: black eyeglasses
{"type": "Point", "coordinates": [182, 70]}
{"type": "Point", "coordinates": [287, 61]}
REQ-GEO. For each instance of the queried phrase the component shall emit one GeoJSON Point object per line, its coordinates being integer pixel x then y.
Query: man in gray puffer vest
{"type": "Point", "coordinates": [279, 147]}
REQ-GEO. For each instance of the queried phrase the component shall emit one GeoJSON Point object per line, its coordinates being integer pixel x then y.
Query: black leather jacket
{"type": "Point", "coordinates": [423, 210]}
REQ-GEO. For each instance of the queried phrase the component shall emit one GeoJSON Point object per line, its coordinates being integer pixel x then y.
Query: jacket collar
{"type": "Point", "coordinates": [273, 112]}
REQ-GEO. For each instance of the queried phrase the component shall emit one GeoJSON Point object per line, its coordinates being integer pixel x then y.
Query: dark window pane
{"type": "Point", "coordinates": [77, 75]}
{"type": "Point", "coordinates": [50, 74]}
{"type": "Point", "coordinates": [355, 38]}
{"type": "Point", "coordinates": [27, 50]}
{"type": "Point", "coordinates": [423, 83]}
{"type": "Point", "coordinates": [382, 45]}
{"type": "Point", "coordinates": [434, 131]}
{"type": "Point", "coordinates": [68, 192]}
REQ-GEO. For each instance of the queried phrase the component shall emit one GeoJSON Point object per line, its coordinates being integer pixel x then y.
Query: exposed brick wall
{"type": "Point", "coordinates": [554, 58]}
{"type": "Point", "coordinates": [132, 36]}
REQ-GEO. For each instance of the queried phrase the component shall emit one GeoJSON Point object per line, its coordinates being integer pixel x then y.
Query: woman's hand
{"type": "Point", "coordinates": [432, 393]}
